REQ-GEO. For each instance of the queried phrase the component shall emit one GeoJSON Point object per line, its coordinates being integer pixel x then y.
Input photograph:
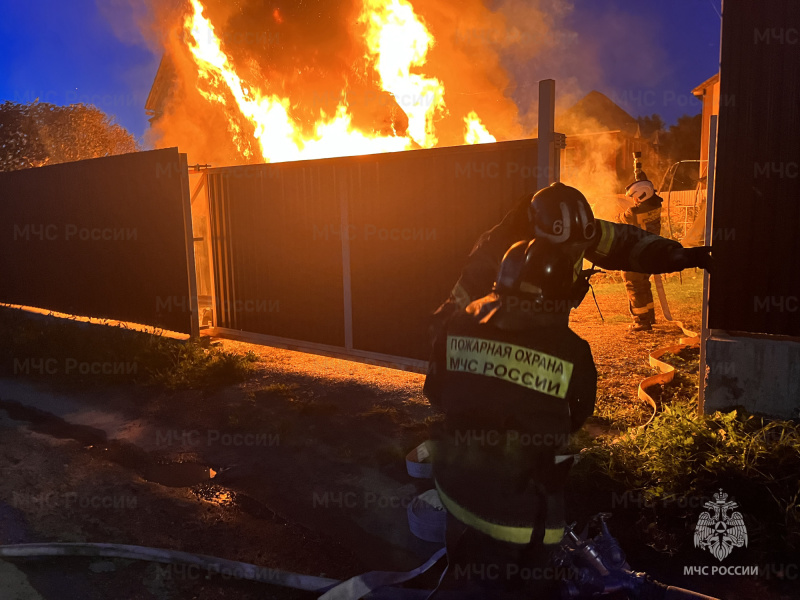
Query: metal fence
{"type": "Point", "coordinates": [683, 215]}
{"type": "Point", "coordinates": [349, 256]}
{"type": "Point", "coordinates": [101, 238]}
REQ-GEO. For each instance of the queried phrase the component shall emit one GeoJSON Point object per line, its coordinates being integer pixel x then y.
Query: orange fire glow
{"type": "Point", "coordinates": [278, 135]}
{"type": "Point", "coordinates": [396, 42]}
{"type": "Point", "coordinates": [476, 132]}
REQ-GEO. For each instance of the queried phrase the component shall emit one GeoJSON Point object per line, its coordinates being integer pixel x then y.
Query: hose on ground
{"type": "Point", "coordinates": [230, 569]}
{"type": "Point", "coordinates": [209, 564]}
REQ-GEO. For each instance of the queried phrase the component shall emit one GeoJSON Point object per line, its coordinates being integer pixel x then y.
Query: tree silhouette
{"type": "Point", "coordinates": [39, 134]}
{"type": "Point", "coordinates": [682, 142]}
{"type": "Point", "coordinates": [650, 125]}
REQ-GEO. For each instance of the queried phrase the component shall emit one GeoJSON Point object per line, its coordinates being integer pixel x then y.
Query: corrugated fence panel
{"type": "Point", "coordinates": [278, 266]}
{"type": "Point", "coordinates": [754, 287]}
{"type": "Point", "coordinates": [413, 219]}
{"type": "Point", "coordinates": [101, 238]}
{"type": "Point", "coordinates": [397, 227]}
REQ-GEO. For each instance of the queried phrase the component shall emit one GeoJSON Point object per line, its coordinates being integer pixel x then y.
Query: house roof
{"type": "Point", "coordinates": [596, 112]}
{"type": "Point", "coordinates": [162, 84]}
{"type": "Point", "coordinates": [700, 89]}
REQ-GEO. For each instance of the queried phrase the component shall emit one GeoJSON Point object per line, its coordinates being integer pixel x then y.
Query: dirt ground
{"type": "Point", "coordinates": [300, 469]}
{"type": "Point", "coordinates": [621, 356]}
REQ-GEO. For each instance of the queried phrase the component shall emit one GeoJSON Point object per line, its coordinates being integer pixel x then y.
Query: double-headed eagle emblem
{"type": "Point", "coordinates": [720, 533]}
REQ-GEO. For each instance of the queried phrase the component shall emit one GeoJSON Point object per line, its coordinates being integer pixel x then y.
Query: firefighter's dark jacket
{"type": "Point", "coordinates": [645, 215]}
{"type": "Point", "coordinates": [510, 399]}
{"type": "Point", "coordinates": [616, 247]}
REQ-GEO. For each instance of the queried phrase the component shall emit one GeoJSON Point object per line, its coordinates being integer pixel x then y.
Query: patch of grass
{"type": "Point", "coordinates": [388, 413]}
{"type": "Point", "coordinates": [306, 406]}
{"type": "Point", "coordinates": [618, 412]}
{"type": "Point", "coordinates": [287, 391]}
{"type": "Point", "coordinates": [684, 387]}
{"type": "Point", "coordinates": [685, 289]}
{"type": "Point", "coordinates": [687, 359]}
{"type": "Point", "coordinates": [66, 352]}
{"type": "Point", "coordinates": [309, 407]}
{"type": "Point", "coordinates": [617, 318]}
{"type": "Point", "coordinates": [423, 428]}
{"type": "Point", "coordinates": [190, 364]}
{"type": "Point", "coordinates": [681, 294]}
{"type": "Point", "coordinates": [683, 455]}
{"type": "Point", "coordinates": [578, 441]}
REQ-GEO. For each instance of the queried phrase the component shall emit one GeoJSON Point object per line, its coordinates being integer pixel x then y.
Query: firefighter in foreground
{"type": "Point", "coordinates": [646, 215]}
{"type": "Point", "coordinates": [513, 381]}
{"type": "Point", "coordinates": [561, 215]}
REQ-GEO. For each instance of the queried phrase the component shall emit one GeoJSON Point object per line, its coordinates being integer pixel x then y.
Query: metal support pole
{"type": "Point", "coordinates": [704, 332]}
{"type": "Point", "coordinates": [547, 168]}
{"type": "Point", "coordinates": [186, 203]}
{"type": "Point", "coordinates": [344, 224]}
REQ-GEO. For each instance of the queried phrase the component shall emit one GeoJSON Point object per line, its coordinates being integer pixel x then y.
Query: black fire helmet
{"type": "Point", "coordinates": [537, 270]}
{"type": "Point", "coordinates": [561, 215]}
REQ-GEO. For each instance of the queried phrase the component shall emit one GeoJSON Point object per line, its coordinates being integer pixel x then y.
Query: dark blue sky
{"type": "Point", "coordinates": [651, 52]}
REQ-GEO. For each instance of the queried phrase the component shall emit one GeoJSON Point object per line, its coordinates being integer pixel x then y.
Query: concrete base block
{"type": "Point", "coordinates": [762, 375]}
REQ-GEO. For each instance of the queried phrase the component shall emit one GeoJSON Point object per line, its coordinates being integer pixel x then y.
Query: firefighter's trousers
{"type": "Point", "coordinates": [640, 297]}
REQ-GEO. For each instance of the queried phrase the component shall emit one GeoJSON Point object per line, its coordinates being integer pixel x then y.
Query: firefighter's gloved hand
{"type": "Point", "coordinates": [699, 257]}
{"type": "Point", "coordinates": [689, 258]}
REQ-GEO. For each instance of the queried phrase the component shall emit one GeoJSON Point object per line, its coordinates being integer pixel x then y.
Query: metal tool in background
{"type": "Point", "coordinates": [598, 567]}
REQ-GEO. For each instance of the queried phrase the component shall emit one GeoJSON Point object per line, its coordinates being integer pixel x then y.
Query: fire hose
{"type": "Point", "coordinates": [667, 371]}
{"type": "Point", "coordinates": [599, 566]}
{"type": "Point", "coordinates": [375, 584]}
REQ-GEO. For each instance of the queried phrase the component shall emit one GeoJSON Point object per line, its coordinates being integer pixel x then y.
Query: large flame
{"type": "Point", "coordinates": [396, 41]}
{"type": "Point", "coordinates": [476, 132]}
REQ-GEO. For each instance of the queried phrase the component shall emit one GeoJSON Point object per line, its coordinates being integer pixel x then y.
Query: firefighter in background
{"type": "Point", "coordinates": [561, 214]}
{"type": "Point", "coordinates": [644, 214]}
{"type": "Point", "coordinates": [513, 381]}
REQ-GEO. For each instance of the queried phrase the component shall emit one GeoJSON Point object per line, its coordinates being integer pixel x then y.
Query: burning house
{"type": "Point", "coordinates": [377, 82]}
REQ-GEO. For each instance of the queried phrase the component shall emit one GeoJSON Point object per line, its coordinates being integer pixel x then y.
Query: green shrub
{"type": "Point", "coordinates": [683, 454]}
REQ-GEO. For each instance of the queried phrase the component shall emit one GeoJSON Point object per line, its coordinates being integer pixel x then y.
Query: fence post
{"type": "Point", "coordinates": [547, 171]}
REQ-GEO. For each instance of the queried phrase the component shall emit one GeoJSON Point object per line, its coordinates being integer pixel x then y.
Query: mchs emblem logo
{"type": "Point", "coordinates": [720, 532]}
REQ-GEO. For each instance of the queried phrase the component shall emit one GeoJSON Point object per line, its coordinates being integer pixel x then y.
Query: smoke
{"type": "Point", "coordinates": [130, 21]}
{"type": "Point", "coordinates": [467, 58]}
{"type": "Point", "coordinates": [597, 132]}
{"type": "Point", "coordinates": [589, 164]}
